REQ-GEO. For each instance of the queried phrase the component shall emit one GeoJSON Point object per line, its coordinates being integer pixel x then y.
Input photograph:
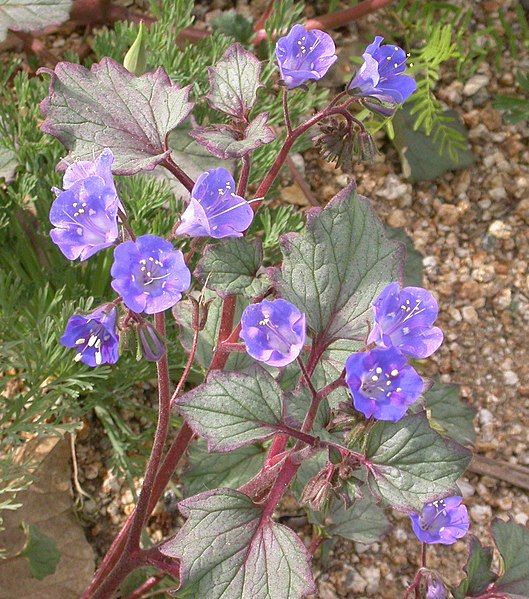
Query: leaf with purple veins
{"type": "Point", "coordinates": [224, 141]}
{"type": "Point", "coordinates": [108, 107]}
{"type": "Point", "coordinates": [228, 550]}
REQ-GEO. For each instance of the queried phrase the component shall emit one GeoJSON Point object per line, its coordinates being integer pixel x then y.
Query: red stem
{"type": "Point", "coordinates": [226, 324]}
{"type": "Point", "coordinates": [269, 178]}
{"type": "Point", "coordinates": [172, 167]}
{"type": "Point", "coordinates": [342, 17]}
{"type": "Point", "coordinates": [146, 586]}
{"type": "Point", "coordinates": [244, 176]}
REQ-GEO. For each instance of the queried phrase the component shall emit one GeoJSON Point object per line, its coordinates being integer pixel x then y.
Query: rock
{"type": "Point", "coordinates": [448, 214]}
{"type": "Point", "coordinates": [355, 582]}
{"type": "Point", "coordinates": [485, 417]}
{"type": "Point", "coordinates": [470, 315]}
{"type": "Point", "coordinates": [503, 300]}
{"type": "Point", "coordinates": [400, 535]}
{"type": "Point", "coordinates": [511, 378]}
{"type": "Point", "coordinates": [397, 219]}
{"type": "Point", "coordinates": [393, 188]}
{"type": "Point", "coordinates": [500, 230]}
{"type": "Point", "coordinates": [372, 576]}
{"type": "Point", "coordinates": [481, 513]}
{"type": "Point", "coordinates": [498, 193]}
{"type": "Point", "coordinates": [467, 490]}
{"type": "Point", "coordinates": [474, 84]}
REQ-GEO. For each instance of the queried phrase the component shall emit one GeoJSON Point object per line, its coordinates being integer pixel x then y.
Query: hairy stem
{"type": "Point", "coordinates": [244, 176]}
{"type": "Point", "coordinates": [146, 586]}
{"type": "Point", "coordinates": [184, 179]}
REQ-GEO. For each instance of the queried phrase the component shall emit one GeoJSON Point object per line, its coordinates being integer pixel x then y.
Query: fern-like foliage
{"type": "Point", "coordinates": [516, 109]}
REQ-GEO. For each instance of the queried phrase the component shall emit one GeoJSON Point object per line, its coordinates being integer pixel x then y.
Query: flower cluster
{"type": "Point", "coordinates": [381, 381]}
{"type": "Point", "coordinates": [305, 55]}
{"type": "Point", "coordinates": [148, 273]}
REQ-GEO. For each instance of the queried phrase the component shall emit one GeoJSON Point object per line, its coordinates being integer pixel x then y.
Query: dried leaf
{"type": "Point", "coordinates": [48, 505]}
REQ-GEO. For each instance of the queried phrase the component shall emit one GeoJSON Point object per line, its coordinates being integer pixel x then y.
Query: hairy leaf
{"type": "Point", "coordinates": [412, 464]}
{"type": "Point", "coordinates": [449, 414]}
{"type": "Point", "coordinates": [234, 409]}
{"type": "Point", "coordinates": [228, 550]}
{"type": "Point", "coordinates": [479, 574]}
{"type": "Point", "coordinates": [212, 470]}
{"type": "Point", "coordinates": [224, 141]}
{"type": "Point", "coordinates": [364, 522]}
{"type": "Point", "coordinates": [336, 268]}
{"type": "Point", "coordinates": [108, 107]}
{"type": "Point", "coordinates": [230, 266]}
{"type": "Point", "coordinates": [29, 15]}
{"type": "Point", "coordinates": [512, 541]}
{"type": "Point", "coordinates": [40, 551]}
{"type": "Point", "coordinates": [234, 82]}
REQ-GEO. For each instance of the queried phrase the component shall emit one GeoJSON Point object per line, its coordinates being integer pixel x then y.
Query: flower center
{"type": "Point", "coordinates": [152, 270]}
{"type": "Point", "coordinates": [378, 384]}
{"type": "Point", "coordinates": [427, 521]}
{"type": "Point", "coordinates": [96, 336]}
{"type": "Point", "coordinates": [278, 339]}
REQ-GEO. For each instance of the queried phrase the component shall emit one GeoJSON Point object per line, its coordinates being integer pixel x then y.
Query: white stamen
{"type": "Point", "coordinates": [80, 341]}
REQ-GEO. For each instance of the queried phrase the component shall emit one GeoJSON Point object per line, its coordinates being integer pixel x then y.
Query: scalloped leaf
{"type": "Point", "coordinates": [30, 15]}
{"type": "Point", "coordinates": [234, 82]}
{"type": "Point", "coordinates": [364, 522]}
{"type": "Point", "coordinates": [108, 107]}
{"type": "Point", "coordinates": [231, 266]}
{"type": "Point", "coordinates": [234, 409]}
{"type": "Point", "coordinates": [212, 470]}
{"type": "Point", "coordinates": [225, 142]}
{"type": "Point", "coordinates": [336, 267]}
{"type": "Point", "coordinates": [228, 550]}
{"type": "Point", "coordinates": [411, 463]}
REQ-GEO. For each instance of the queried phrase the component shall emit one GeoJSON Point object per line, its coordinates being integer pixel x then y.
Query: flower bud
{"type": "Point", "coordinates": [151, 344]}
{"type": "Point", "coordinates": [135, 60]}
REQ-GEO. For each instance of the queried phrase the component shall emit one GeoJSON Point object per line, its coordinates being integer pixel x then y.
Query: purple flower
{"type": "Point", "coordinates": [85, 213]}
{"type": "Point", "coordinates": [382, 383]}
{"type": "Point", "coordinates": [149, 274]}
{"type": "Point", "coordinates": [442, 521]}
{"type": "Point", "coordinates": [404, 319]}
{"type": "Point", "coordinates": [214, 209]}
{"type": "Point", "coordinates": [381, 76]}
{"type": "Point", "coordinates": [273, 332]}
{"type": "Point", "coordinates": [94, 336]}
{"type": "Point", "coordinates": [304, 55]}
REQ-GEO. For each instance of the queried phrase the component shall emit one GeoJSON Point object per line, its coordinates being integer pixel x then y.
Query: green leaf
{"type": "Point", "coordinates": [234, 82]}
{"type": "Point", "coordinates": [233, 25]}
{"type": "Point", "coordinates": [413, 269]}
{"type": "Point", "coordinates": [230, 266]}
{"type": "Point", "coordinates": [479, 574]}
{"type": "Point", "coordinates": [364, 522]}
{"type": "Point", "coordinates": [234, 409]}
{"type": "Point", "coordinates": [512, 541]}
{"type": "Point", "coordinates": [89, 110]}
{"type": "Point", "coordinates": [449, 414]}
{"type": "Point", "coordinates": [424, 157]}
{"type": "Point", "coordinates": [40, 551]}
{"type": "Point", "coordinates": [29, 15]}
{"type": "Point", "coordinates": [334, 269]}
{"type": "Point", "coordinates": [212, 470]}
{"type": "Point", "coordinates": [224, 141]}
{"type": "Point", "coordinates": [135, 60]}
{"type": "Point", "coordinates": [227, 550]}
{"type": "Point", "coordinates": [411, 463]}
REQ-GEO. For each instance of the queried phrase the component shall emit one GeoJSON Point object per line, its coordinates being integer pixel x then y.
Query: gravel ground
{"type": "Point", "coordinates": [471, 227]}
